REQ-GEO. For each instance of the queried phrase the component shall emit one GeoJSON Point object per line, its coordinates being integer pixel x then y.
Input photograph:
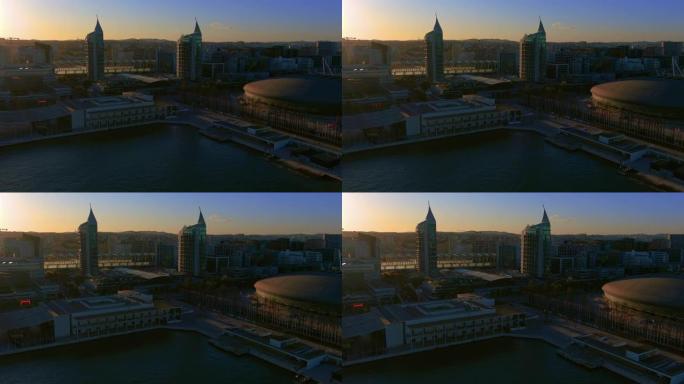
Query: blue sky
{"type": "Point", "coordinates": [220, 20]}
{"type": "Point", "coordinates": [589, 20]}
{"type": "Point", "coordinates": [225, 213]}
{"type": "Point", "coordinates": [593, 213]}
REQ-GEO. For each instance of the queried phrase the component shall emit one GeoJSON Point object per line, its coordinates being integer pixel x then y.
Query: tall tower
{"type": "Point", "coordinates": [535, 248]}
{"type": "Point", "coordinates": [189, 55]}
{"type": "Point", "coordinates": [95, 53]}
{"type": "Point", "coordinates": [426, 252]}
{"type": "Point", "coordinates": [192, 248]}
{"type": "Point", "coordinates": [88, 239]}
{"type": "Point", "coordinates": [533, 56]}
{"type": "Point", "coordinates": [434, 53]}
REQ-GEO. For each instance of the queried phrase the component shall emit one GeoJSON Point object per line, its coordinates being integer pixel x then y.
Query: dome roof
{"type": "Point", "coordinates": [312, 288]}
{"type": "Point", "coordinates": [321, 94]}
{"type": "Point", "coordinates": [652, 96]}
{"type": "Point", "coordinates": [666, 293]}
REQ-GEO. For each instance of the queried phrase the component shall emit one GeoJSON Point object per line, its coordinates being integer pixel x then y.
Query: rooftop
{"type": "Point", "coordinates": [322, 93]}
{"type": "Point", "coordinates": [665, 292]}
{"type": "Point", "coordinates": [655, 95]}
{"type": "Point", "coordinates": [318, 288]}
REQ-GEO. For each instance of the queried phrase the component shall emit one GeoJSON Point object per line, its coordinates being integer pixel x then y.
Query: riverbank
{"type": "Point", "coordinates": [165, 157]}
{"type": "Point", "coordinates": [203, 128]}
{"type": "Point", "coordinates": [153, 357]}
{"type": "Point", "coordinates": [501, 160]}
{"type": "Point", "coordinates": [501, 360]}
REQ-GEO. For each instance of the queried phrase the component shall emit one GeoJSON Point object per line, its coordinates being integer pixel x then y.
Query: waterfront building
{"type": "Point", "coordinates": [189, 55]}
{"type": "Point", "coordinates": [89, 248]}
{"type": "Point", "coordinates": [83, 318]}
{"type": "Point", "coordinates": [533, 56]}
{"type": "Point", "coordinates": [640, 362]}
{"type": "Point", "coordinates": [535, 246]}
{"type": "Point", "coordinates": [112, 112]}
{"type": "Point", "coordinates": [434, 53]}
{"type": "Point", "coordinates": [95, 53]}
{"type": "Point", "coordinates": [192, 248]}
{"type": "Point", "coordinates": [426, 251]}
{"type": "Point", "coordinates": [427, 325]}
{"type": "Point", "coordinates": [450, 117]}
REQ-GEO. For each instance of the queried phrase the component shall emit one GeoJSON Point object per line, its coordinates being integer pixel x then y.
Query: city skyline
{"type": "Point", "coordinates": [586, 213]}
{"type": "Point", "coordinates": [254, 21]}
{"type": "Point", "coordinates": [235, 213]}
{"type": "Point", "coordinates": [609, 21]}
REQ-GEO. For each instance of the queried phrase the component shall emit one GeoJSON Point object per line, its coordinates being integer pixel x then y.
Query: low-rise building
{"type": "Point", "coordinates": [89, 317]}
{"type": "Point", "coordinates": [402, 328]}
{"type": "Point", "coordinates": [111, 112]}
{"type": "Point", "coordinates": [470, 113]}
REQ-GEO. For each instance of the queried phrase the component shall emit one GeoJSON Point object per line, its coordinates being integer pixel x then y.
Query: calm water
{"type": "Point", "coordinates": [511, 361]}
{"type": "Point", "coordinates": [153, 357]}
{"type": "Point", "coordinates": [151, 158]}
{"type": "Point", "coordinates": [487, 162]}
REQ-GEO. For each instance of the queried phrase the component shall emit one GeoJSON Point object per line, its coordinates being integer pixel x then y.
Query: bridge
{"type": "Point", "coordinates": [145, 260]}
{"type": "Point", "coordinates": [77, 68]}
{"type": "Point", "coordinates": [450, 263]}
{"type": "Point", "coordinates": [408, 69]}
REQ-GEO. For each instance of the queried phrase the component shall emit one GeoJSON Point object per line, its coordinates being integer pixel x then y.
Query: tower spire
{"type": "Point", "coordinates": [430, 216]}
{"type": "Point", "coordinates": [541, 26]}
{"type": "Point", "coordinates": [437, 26]}
{"type": "Point", "coordinates": [197, 28]}
{"type": "Point", "coordinates": [545, 218]}
{"type": "Point", "coordinates": [201, 217]}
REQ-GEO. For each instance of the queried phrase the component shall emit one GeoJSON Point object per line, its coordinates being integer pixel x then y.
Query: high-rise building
{"type": "Point", "coordinates": [192, 248]}
{"type": "Point", "coordinates": [333, 241]}
{"type": "Point", "coordinates": [535, 247]}
{"type": "Point", "coordinates": [676, 241]}
{"type": "Point", "coordinates": [533, 56]}
{"type": "Point", "coordinates": [95, 47]}
{"type": "Point", "coordinates": [89, 252]}
{"type": "Point", "coordinates": [189, 55]}
{"type": "Point", "coordinates": [426, 252]}
{"type": "Point", "coordinates": [434, 54]}
{"type": "Point", "coordinates": [672, 48]}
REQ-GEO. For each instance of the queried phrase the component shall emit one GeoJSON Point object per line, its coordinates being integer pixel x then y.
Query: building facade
{"type": "Point", "coordinates": [535, 247]}
{"type": "Point", "coordinates": [95, 53]}
{"type": "Point", "coordinates": [426, 253]}
{"type": "Point", "coordinates": [189, 55]}
{"type": "Point", "coordinates": [192, 248]}
{"type": "Point", "coordinates": [434, 54]}
{"type": "Point", "coordinates": [111, 112]}
{"type": "Point", "coordinates": [533, 56]}
{"type": "Point", "coordinates": [89, 251]}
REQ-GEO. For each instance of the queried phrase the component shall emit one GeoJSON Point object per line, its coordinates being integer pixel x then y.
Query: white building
{"type": "Point", "coordinates": [448, 117]}
{"type": "Point", "coordinates": [111, 112]}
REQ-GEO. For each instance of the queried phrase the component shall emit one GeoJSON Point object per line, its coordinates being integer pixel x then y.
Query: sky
{"type": "Point", "coordinates": [569, 213]}
{"type": "Point", "coordinates": [224, 213]}
{"type": "Point", "coordinates": [220, 20]}
{"type": "Point", "coordinates": [576, 20]}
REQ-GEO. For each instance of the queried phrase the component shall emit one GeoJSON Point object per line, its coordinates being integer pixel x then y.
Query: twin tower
{"type": "Point", "coordinates": [532, 59]}
{"type": "Point", "coordinates": [188, 54]}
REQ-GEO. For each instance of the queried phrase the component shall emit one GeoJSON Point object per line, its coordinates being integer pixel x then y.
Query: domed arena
{"type": "Point", "coordinates": [654, 97]}
{"type": "Point", "coordinates": [309, 106]}
{"type": "Point", "coordinates": [663, 296]}
{"type": "Point", "coordinates": [648, 109]}
{"type": "Point", "coordinates": [311, 292]}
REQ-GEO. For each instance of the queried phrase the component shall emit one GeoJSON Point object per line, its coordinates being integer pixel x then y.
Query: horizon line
{"type": "Point", "coordinates": [513, 233]}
